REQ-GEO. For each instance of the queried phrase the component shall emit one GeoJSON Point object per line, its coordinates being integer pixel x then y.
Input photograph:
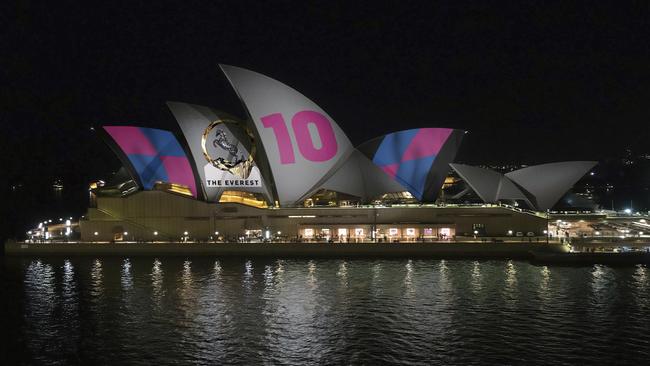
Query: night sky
{"type": "Point", "coordinates": [532, 83]}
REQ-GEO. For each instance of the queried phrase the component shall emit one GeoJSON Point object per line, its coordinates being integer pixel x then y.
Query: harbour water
{"type": "Point", "coordinates": [174, 310]}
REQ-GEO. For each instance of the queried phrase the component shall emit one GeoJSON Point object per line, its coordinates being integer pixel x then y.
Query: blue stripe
{"type": "Point", "coordinates": [413, 174]}
{"type": "Point", "coordinates": [164, 141]}
{"type": "Point", "coordinates": [393, 146]}
{"type": "Point", "coordinates": [149, 168]}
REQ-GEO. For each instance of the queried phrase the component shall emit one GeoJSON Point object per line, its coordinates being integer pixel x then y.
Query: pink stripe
{"type": "Point", "coordinates": [131, 140]}
{"type": "Point", "coordinates": [179, 171]}
{"type": "Point", "coordinates": [391, 169]}
{"type": "Point", "coordinates": [427, 142]}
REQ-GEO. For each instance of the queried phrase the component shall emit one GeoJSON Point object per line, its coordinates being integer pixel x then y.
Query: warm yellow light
{"type": "Point", "coordinates": [244, 198]}
{"type": "Point", "coordinates": [173, 187]}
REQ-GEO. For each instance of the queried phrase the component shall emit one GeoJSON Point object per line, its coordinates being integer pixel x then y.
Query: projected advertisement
{"type": "Point", "coordinates": [229, 163]}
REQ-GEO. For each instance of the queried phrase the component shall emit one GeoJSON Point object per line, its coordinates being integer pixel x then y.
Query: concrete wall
{"type": "Point", "coordinates": [171, 215]}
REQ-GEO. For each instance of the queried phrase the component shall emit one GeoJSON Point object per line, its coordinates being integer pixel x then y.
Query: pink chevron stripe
{"type": "Point", "coordinates": [391, 169]}
{"type": "Point", "coordinates": [131, 140]}
{"type": "Point", "coordinates": [427, 142]}
{"type": "Point", "coordinates": [179, 171]}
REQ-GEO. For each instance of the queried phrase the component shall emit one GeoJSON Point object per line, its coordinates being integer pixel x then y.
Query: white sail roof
{"type": "Point", "coordinates": [300, 140]}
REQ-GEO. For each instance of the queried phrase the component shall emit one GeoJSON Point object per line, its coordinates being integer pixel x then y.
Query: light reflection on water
{"type": "Point", "coordinates": [127, 278]}
{"type": "Point", "coordinates": [207, 311]}
{"type": "Point", "coordinates": [157, 282]}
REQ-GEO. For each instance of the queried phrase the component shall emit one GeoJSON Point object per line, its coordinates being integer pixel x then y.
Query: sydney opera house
{"type": "Point", "coordinates": [289, 172]}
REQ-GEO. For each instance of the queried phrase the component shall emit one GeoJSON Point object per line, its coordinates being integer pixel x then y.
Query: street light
{"type": "Point", "coordinates": [96, 233]}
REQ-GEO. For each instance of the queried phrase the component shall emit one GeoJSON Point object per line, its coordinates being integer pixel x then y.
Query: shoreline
{"type": "Point", "coordinates": [465, 250]}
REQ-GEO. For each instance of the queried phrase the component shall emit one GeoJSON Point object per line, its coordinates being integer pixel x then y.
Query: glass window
{"type": "Point", "coordinates": [309, 233]}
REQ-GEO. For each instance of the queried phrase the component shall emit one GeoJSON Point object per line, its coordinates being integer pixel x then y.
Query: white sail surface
{"type": "Point", "coordinates": [300, 140]}
{"type": "Point", "coordinates": [193, 121]}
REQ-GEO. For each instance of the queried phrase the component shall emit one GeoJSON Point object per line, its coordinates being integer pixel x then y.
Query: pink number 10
{"type": "Point", "coordinates": [300, 125]}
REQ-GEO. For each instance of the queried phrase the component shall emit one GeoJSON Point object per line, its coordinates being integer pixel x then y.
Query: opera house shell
{"type": "Point", "coordinates": [283, 161]}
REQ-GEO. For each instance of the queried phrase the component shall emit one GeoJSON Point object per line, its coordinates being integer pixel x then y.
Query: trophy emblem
{"type": "Point", "coordinates": [235, 163]}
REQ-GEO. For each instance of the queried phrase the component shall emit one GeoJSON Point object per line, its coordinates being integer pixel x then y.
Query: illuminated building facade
{"type": "Point", "coordinates": [288, 171]}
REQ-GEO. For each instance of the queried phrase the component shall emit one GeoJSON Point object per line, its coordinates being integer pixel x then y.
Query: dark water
{"type": "Point", "coordinates": [300, 312]}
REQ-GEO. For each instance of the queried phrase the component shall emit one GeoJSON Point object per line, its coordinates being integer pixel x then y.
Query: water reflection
{"type": "Point", "coordinates": [248, 279]}
{"type": "Point", "coordinates": [511, 275]}
{"type": "Point", "coordinates": [41, 301]}
{"type": "Point", "coordinates": [475, 282]}
{"type": "Point", "coordinates": [127, 277]}
{"type": "Point", "coordinates": [291, 317]}
{"type": "Point", "coordinates": [343, 274]}
{"type": "Point", "coordinates": [69, 286]}
{"type": "Point", "coordinates": [186, 289]}
{"type": "Point", "coordinates": [510, 291]}
{"type": "Point", "coordinates": [544, 285]}
{"type": "Point", "coordinates": [599, 282]}
{"type": "Point", "coordinates": [279, 272]}
{"type": "Point", "coordinates": [96, 283]}
{"type": "Point", "coordinates": [157, 282]}
{"type": "Point", "coordinates": [268, 277]}
{"type": "Point", "coordinates": [408, 278]}
{"type": "Point", "coordinates": [311, 275]}
{"type": "Point", "coordinates": [641, 286]}
{"type": "Point", "coordinates": [302, 312]}
{"type": "Point", "coordinates": [444, 281]}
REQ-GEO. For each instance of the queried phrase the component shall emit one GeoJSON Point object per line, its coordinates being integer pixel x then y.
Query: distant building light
{"type": "Point", "coordinates": [628, 211]}
{"type": "Point", "coordinates": [509, 232]}
{"type": "Point", "coordinates": [185, 233]}
{"type": "Point", "coordinates": [96, 233]}
{"type": "Point", "coordinates": [126, 233]}
{"type": "Point", "coordinates": [597, 233]}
